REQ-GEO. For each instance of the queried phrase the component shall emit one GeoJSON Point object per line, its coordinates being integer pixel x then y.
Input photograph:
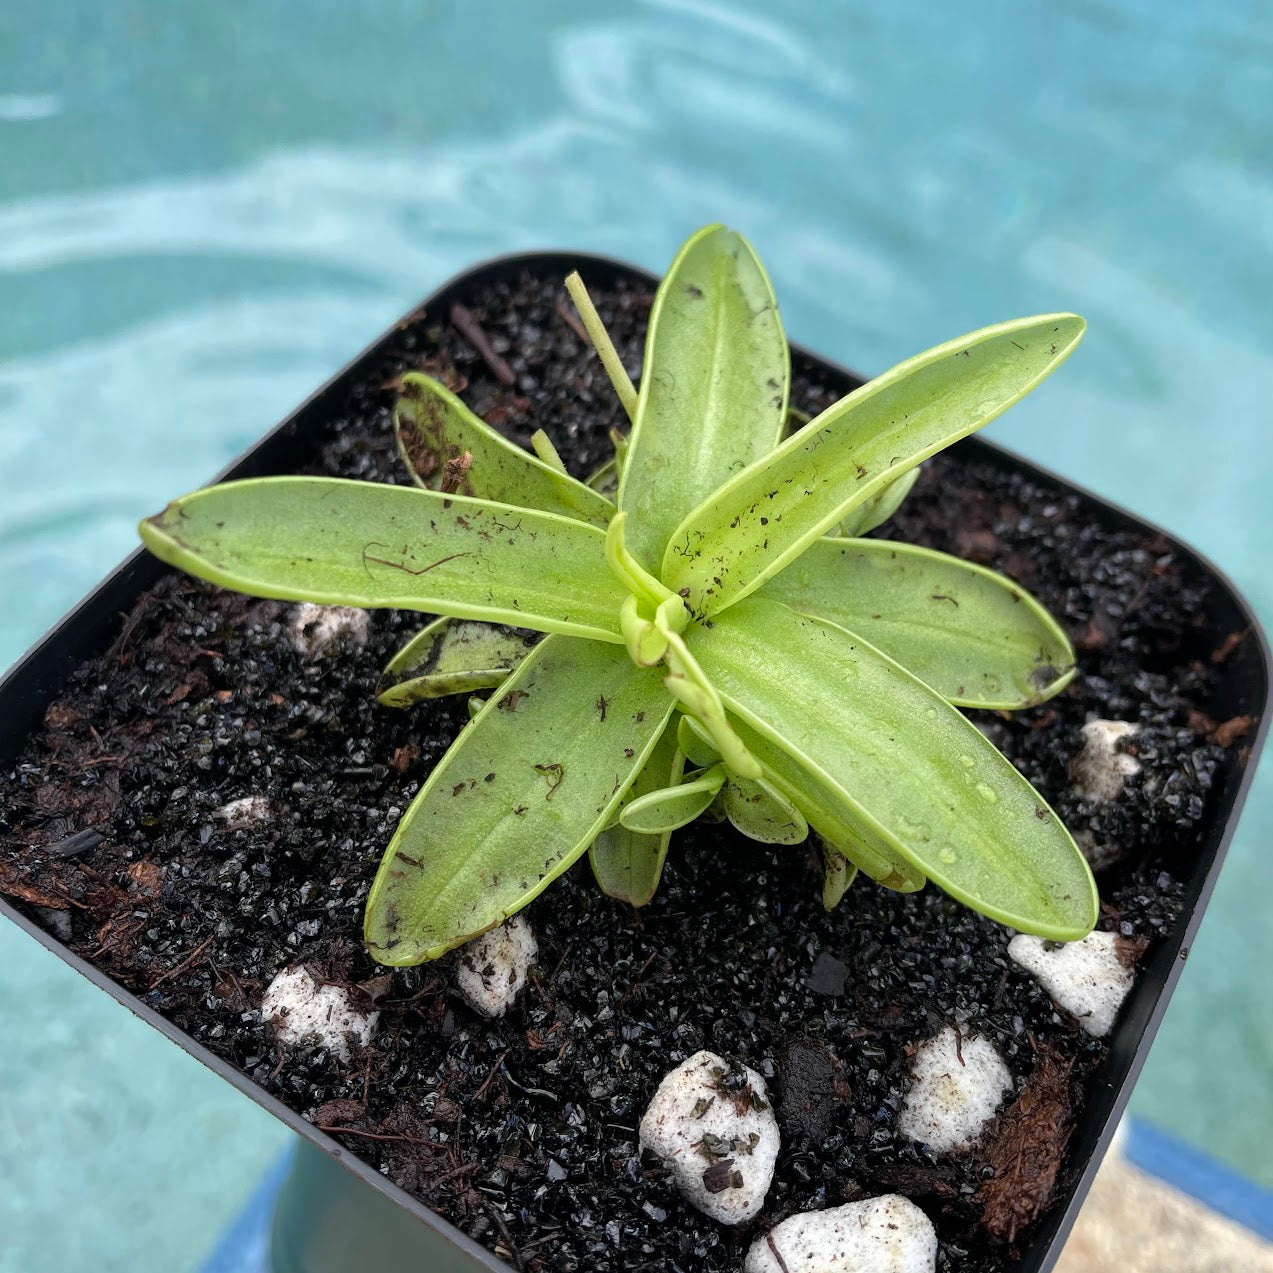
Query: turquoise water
{"type": "Point", "coordinates": [205, 210]}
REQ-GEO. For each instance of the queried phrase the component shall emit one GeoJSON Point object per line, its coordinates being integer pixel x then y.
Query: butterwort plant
{"type": "Point", "coordinates": [700, 630]}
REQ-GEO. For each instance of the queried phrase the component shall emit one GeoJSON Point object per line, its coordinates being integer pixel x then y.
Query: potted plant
{"type": "Point", "coordinates": [701, 662]}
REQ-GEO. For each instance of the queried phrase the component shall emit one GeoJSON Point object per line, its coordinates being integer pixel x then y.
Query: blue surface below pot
{"type": "Point", "coordinates": [204, 211]}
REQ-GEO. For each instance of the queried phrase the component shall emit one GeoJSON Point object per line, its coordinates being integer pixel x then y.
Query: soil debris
{"type": "Point", "coordinates": [1026, 1153]}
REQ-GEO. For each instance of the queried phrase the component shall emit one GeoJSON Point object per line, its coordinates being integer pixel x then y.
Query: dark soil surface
{"type": "Point", "coordinates": [523, 1131]}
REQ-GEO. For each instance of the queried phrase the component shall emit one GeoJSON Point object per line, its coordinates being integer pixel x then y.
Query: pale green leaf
{"type": "Point", "coordinates": [830, 814]}
{"type": "Point", "coordinates": [543, 447]}
{"type": "Point", "coordinates": [714, 385]}
{"type": "Point", "coordinates": [880, 507]}
{"type": "Point", "coordinates": [839, 874]}
{"type": "Point", "coordinates": [974, 636]}
{"type": "Point", "coordinates": [812, 800]}
{"type": "Point", "coordinates": [766, 516]}
{"type": "Point", "coordinates": [627, 864]}
{"type": "Point", "coordinates": [761, 812]}
{"type": "Point", "coordinates": [694, 692]}
{"type": "Point", "coordinates": [520, 795]}
{"type": "Point", "coordinates": [715, 812]}
{"type": "Point", "coordinates": [433, 426]}
{"type": "Point", "coordinates": [918, 773]}
{"type": "Point", "coordinates": [452, 656]}
{"type": "Point", "coordinates": [338, 542]}
{"type": "Point", "coordinates": [605, 479]}
{"type": "Point", "coordinates": [602, 343]}
{"type": "Point", "coordinates": [696, 743]}
{"type": "Point", "coordinates": [669, 808]}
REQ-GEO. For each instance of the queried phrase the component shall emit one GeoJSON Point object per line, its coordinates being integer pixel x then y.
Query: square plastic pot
{"type": "Point", "coordinates": [337, 1214]}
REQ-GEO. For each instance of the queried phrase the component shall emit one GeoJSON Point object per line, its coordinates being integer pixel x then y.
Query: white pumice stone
{"type": "Point", "coordinates": [246, 811]}
{"type": "Point", "coordinates": [493, 967]}
{"type": "Point", "coordinates": [1100, 771]}
{"type": "Point", "coordinates": [1099, 853]}
{"type": "Point", "coordinates": [889, 1234]}
{"type": "Point", "coordinates": [313, 630]}
{"type": "Point", "coordinates": [714, 1129]}
{"type": "Point", "coordinates": [1086, 978]}
{"type": "Point", "coordinates": [303, 1011]}
{"type": "Point", "coordinates": [957, 1085]}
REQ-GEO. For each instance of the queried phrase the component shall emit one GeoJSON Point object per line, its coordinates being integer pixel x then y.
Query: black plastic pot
{"type": "Point", "coordinates": [336, 1214]}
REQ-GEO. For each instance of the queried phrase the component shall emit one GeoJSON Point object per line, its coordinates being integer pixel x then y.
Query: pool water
{"type": "Point", "coordinates": [205, 210]}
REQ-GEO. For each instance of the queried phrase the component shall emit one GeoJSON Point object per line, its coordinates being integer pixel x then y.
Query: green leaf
{"type": "Point", "coordinates": [839, 875]}
{"type": "Point", "coordinates": [338, 542]}
{"type": "Point", "coordinates": [432, 426]}
{"type": "Point", "coordinates": [880, 507]}
{"type": "Point", "coordinates": [919, 775]}
{"type": "Point", "coordinates": [520, 795]}
{"type": "Point", "coordinates": [543, 447]}
{"type": "Point", "coordinates": [815, 802]}
{"type": "Point", "coordinates": [670, 808]}
{"type": "Point", "coordinates": [974, 636]}
{"type": "Point", "coordinates": [605, 480]}
{"type": "Point", "coordinates": [452, 656]}
{"type": "Point", "coordinates": [627, 864]}
{"type": "Point", "coordinates": [829, 813]}
{"type": "Point", "coordinates": [761, 812]}
{"type": "Point", "coordinates": [696, 743]}
{"type": "Point", "coordinates": [766, 516]}
{"type": "Point", "coordinates": [714, 385]}
{"type": "Point", "coordinates": [602, 343]}
{"type": "Point", "coordinates": [811, 801]}
{"type": "Point", "coordinates": [693, 691]}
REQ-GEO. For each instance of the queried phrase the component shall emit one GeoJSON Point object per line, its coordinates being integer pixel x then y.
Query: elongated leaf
{"type": "Point", "coordinates": [362, 544]}
{"type": "Point", "coordinates": [921, 775]}
{"type": "Point", "coordinates": [433, 426]}
{"type": "Point", "coordinates": [830, 814]}
{"type": "Point", "coordinates": [819, 803]}
{"type": "Point", "coordinates": [627, 864]}
{"type": "Point", "coordinates": [811, 800]}
{"type": "Point", "coordinates": [519, 796]}
{"type": "Point", "coordinates": [714, 386]}
{"type": "Point", "coordinates": [696, 743]}
{"type": "Point", "coordinates": [715, 812]}
{"type": "Point", "coordinates": [974, 636]}
{"type": "Point", "coordinates": [839, 875]}
{"type": "Point", "coordinates": [452, 656]}
{"type": "Point", "coordinates": [880, 507]}
{"type": "Point", "coordinates": [761, 812]}
{"type": "Point", "coordinates": [767, 515]}
{"type": "Point", "coordinates": [605, 480]}
{"type": "Point", "coordinates": [670, 808]}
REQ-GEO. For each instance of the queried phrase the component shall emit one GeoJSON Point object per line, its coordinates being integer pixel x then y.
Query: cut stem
{"type": "Point", "coordinates": [542, 445]}
{"type": "Point", "coordinates": [604, 346]}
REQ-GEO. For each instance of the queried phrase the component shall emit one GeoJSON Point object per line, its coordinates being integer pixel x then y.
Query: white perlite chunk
{"type": "Point", "coordinates": [313, 630]}
{"type": "Point", "coordinates": [1100, 771]}
{"type": "Point", "coordinates": [889, 1234]}
{"type": "Point", "coordinates": [1086, 978]}
{"type": "Point", "coordinates": [302, 1010]}
{"type": "Point", "coordinates": [245, 812]}
{"type": "Point", "coordinates": [958, 1084]}
{"type": "Point", "coordinates": [715, 1131]}
{"type": "Point", "coordinates": [493, 967]}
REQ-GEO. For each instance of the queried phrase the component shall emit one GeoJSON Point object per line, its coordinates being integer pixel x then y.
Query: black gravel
{"type": "Point", "coordinates": [523, 1131]}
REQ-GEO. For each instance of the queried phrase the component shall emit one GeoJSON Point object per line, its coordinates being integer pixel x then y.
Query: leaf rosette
{"type": "Point", "coordinates": [700, 630]}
